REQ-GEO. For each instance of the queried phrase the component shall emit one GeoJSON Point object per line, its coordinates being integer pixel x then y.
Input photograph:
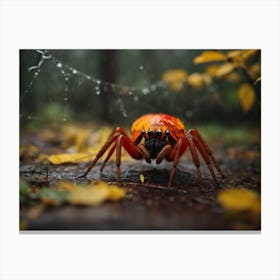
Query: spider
{"type": "Point", "coordinates": [157, 137]}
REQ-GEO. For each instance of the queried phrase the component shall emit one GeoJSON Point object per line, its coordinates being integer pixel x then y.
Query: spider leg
{"type": "Point", "coordinates": [119, 138]}
{"type": "Point", "coordinates": [195, 159]}
{"type": "Point", "coordinates": [174, 156]}
{"type": "Point", "coordinates": [205, 151]}
{"type": "Point", "coordinates": [108, 156]}
{"type": "Point", "coordinates": [208, 150]}
{"type": "Point", "coordinates": [162, 154]}
{"type": "Point", "coordinates": [144, 152]}
{"type": "Point", "coordinates": [118, 157]}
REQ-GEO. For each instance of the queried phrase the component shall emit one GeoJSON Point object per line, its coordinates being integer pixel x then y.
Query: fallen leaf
{"type": "Point", "coordinates": [246, 96]}
{"type": "Point", "coordinates": [210, 56]}
{"type": "Point", "coordinates": [142, 178]}
{"type": "Point", "coordinates": [70, 158]}
{"type": "Point", "coordinates": [234, 199]}
{"type": "Point", "coordinates": [28, 151]}
{"type": "Point", "coordinates": [95, 194]}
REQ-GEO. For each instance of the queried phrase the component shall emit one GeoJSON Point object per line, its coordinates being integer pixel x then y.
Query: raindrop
{"type": "Point", "coordinates": [65, 98]}
{"type": "Point", "coordinates": [59, 64]}
{"type": "Point", "coordinates": [98, 92]}
{"type": "Point", "coordinates": [141, 67]}
{"type": "Point", "coordinates": [98, 82]}
{"type": "Point", "coordinates": [97, 87]}
{"type": "Point", "coordinates": [74, 71]}
{"type": "Point", "coordinates": [66, 78]}
{"type": "Point", "coordinates": [145, 91]}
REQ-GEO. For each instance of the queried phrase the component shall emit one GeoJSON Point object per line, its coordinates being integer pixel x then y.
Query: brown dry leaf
{"type": "Point", "coordinates": [246, 96]}
{"type": "Point", "coordinates": [95, 194]}
{"type": "Point", "coordinates": [70, 158]}
{"type": "Point", "coordinates": [197, 80]}
{"type": "Point", "coordinates": [234, 199]}
{"type": "Point", "coordinates": [175, 79]}
{"type": "Point", "coordinates": [210, 56]}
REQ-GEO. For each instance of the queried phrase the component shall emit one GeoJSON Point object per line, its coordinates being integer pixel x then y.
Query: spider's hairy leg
{"type": "Point", "coordinates": [195, 158]}
{"type": "Point", "coordinates": [205, 151]}
{"type": "Point", "coordinates": [174, 155]}
{"type": "Point", "coordinates": [118, 138]}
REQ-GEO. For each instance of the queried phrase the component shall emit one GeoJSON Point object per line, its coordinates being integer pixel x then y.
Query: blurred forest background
{"type": "Point", "coordinates": [117, 86]}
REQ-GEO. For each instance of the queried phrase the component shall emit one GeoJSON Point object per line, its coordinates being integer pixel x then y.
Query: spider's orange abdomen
{"type": "Point", "coordinates": [156, 122]}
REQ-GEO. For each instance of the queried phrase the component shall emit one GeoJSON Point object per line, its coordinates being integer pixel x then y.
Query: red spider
{"type": "Point", "coordinates": [157, 136]}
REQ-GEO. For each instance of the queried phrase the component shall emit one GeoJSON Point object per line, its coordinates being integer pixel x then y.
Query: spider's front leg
{"type": "Point", "coordinates": [117, 139]}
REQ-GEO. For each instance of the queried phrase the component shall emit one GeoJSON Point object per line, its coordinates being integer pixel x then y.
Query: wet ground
{"type": "Point", "coordinates": [149, 205]}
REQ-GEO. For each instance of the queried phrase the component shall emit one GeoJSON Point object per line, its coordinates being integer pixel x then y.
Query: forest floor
{"type": "Point", "coordinates": [147, 203]}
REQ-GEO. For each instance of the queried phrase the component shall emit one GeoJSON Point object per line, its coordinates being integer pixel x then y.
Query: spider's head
{"type": "Point", "coordinates": [155, 140]}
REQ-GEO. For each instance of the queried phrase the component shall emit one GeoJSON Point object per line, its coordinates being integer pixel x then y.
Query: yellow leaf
{"type": "Point", "coordinates": [212, 69]}
{"type": "Point", "coordinates": [91, 195]}
{"type": "Point", "coordinates": [233, 77]}
{"type": "Point", "coordinates": [115, 193]}
{"type": "Point", "coordinates": [70, 158]}
{"type": "Point", "coordinates": [198, 80]}
{"type": "Point", "coordinates": [66, 186]}
{"type": "Point", "coordinates": [175, 79]}
{"type": "Point", "coordinates": [142, 178]}
{"type": "Point", "coordinates": [240, 56]}
{"type": "Point", "coordinates": [224, 69]}
{"type": "Point", "coordinates": [210, 56]}
{"type": "Point", "coordinates": [75, 137]}
{"type": "Point", "coordinates": [28, 151]}
{"type": "Point", "coordinates": [95, 194]}
{"type": "Point", "coordinates": [234, 199]}
{"type": "Point", "coordinates": [246, 96]}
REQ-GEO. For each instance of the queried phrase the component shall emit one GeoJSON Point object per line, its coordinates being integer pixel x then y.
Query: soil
{"type": "Point", "coordinates": [149, 205]}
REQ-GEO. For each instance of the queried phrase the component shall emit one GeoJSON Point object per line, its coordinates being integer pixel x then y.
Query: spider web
{"type": "Point", "coordinates": [69, 80]}
{"type": "Point", "coordinates": [98, 87]}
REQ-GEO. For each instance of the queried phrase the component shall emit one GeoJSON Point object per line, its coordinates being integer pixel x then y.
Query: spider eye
{"type": "Point", "coordinates": [143, 132]}
{"type": "Point", "coordinates": [150, 132]}
{"type": "Point", "coordinates": [167, 132]}
{"type": "Point", "coordinates": [159, 132]}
